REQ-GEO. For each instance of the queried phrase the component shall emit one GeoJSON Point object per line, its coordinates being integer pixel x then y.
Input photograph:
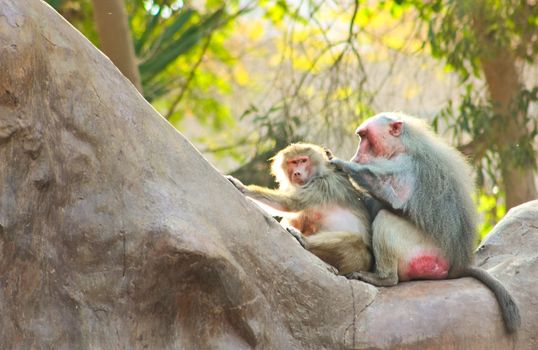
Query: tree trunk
{"type": "Point", "coordinates": [115, 233]}
{"type": "Point", "coordinates": [504, 85]}
{"type": "Point", "coordinates": [115, 37]}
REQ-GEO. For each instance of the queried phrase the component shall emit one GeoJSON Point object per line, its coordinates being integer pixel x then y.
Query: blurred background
{"type": "Point", "coordinates": [242, 79]}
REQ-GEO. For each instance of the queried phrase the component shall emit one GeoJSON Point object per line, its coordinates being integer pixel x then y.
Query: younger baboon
{"type": "Point", "coordinates": [319, 201]}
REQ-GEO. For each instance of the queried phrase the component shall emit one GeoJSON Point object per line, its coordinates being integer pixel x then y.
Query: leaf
{"type": "Point", "coordinates": [159, 62]}
{"type": "Point", "coordinates": [240, 75]}
{"type": "Point", "coordinates": [176, 26]}
{"type": "Point", "coordinates": [149, 29]}
{"type": "Point", "coordinates": [56, 4]}
{"type": "Point", "coordinates": [180, 46]}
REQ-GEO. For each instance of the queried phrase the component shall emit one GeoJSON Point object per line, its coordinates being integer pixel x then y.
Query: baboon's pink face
{"type": "Point", "coordinates": [378, 138]}
{"type": "Point", "coordinates": [299, 170]}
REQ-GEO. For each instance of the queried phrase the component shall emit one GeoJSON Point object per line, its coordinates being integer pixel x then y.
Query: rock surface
{"type": "Point", "coordinates": [116, 233]}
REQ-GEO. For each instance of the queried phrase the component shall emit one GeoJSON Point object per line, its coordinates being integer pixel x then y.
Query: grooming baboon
{"type": "Point", "coordinates": [430, 232]}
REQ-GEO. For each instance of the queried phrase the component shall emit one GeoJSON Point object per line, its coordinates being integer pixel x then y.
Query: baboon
{"type": "Point", "coordinates": [430, 230]}
{"type": "Point", "coordinates": [328, 214]}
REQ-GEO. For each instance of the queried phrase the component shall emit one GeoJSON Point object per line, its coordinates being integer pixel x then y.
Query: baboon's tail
{"type": "Point", "coordinates": [509, 309]}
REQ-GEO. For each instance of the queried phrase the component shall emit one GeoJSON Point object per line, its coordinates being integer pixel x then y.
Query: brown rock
{"type": "Point", "coordinates": [116, 233]}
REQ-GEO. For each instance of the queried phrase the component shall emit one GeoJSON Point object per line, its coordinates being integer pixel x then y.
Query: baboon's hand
{"type": "Point", "coordinates": [297, 234]}
{"type": "Point", "coordinates": [347, 167]}
{"type": "Point", "coordinates": [302, 241]}
{"type": "Point", "coordinates": [354, 276]}
{"type": "Point", "coordinates": [331, 268]}
{"type": "Point", "coordinates": [374, 278]}
{"type": "Point", "coordinates": [339, 163]}
{"type": "Point", "coordinates": [238, 184]}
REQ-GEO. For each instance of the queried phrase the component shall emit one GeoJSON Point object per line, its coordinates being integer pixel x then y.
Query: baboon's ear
{"type": "Point", "coordinates": [328, 153]}
{"type": "Point", "coordinates": [396, 128]}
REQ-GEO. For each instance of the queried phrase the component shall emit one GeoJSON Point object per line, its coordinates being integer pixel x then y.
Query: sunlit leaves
{"type": "Point", "coordinates": [277, 12]}
{"type": "Point", "coordinates": [255, 31]}
{"type": "Point", "coordinates": [184, 59]}
{"type": "Point", "coordinates": [310, 71]}
{"type": "Point", "coordinates": [458, 30]}
{"type": "Point", "coordinates": [467, 36]}
{"type": "Point", "coordinates": [174, 42]}
{"type": "Point", "coordinates": [474, 117]}
{"type": "Point", "coordinates": [240, 75]}
{"type": "Point", "coordinates": [490, 209]}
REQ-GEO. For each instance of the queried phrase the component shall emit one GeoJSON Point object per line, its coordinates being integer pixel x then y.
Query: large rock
{"type": "Point", "coordinates": [116, 233]}
{"type": "Point", "coordinates": [462, 313]}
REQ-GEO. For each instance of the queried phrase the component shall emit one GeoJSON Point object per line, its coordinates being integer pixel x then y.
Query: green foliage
{"type": "Point", "coordinates": [277, 131]}
{"type": "Point", "coordinates": [491, 211]}
{"type": "Point", "coordinates": [170, 39]}
{"type": "Point", "coordinates": [173, 42]}
{"type": "Point", "coordinates": [161, 39]}
{"type": "Point", "coordinates": [474, 116]}
{"type": "Point", "coordinates": [463, 33]}
{"type": "Point", "coordinates": [194, 62]}
{"type": "Point", "coordinates": [55, 3]}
